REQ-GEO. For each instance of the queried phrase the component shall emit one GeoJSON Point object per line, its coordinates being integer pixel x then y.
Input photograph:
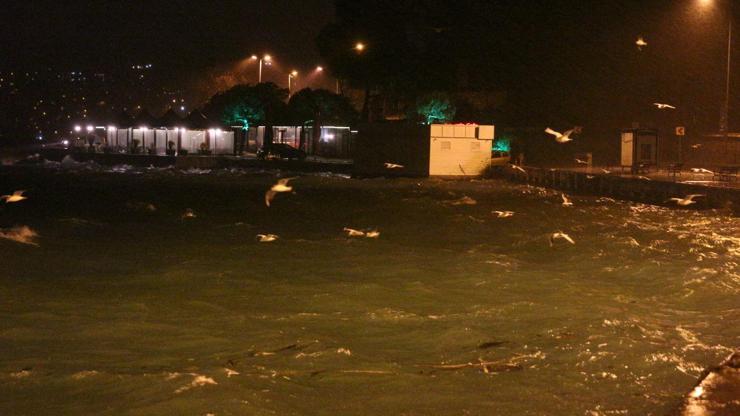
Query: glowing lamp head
{"type": "Point", "coordinates": [267, 58]}
{"type": "Point", "coordinates": [65, 142]}
{"type": "Point", "coordinates": [78, 128]}
{"type": "Point", "coordinates": [89, 128]}
{"type": "Point", "coordinates": [143, 128]}
{"type": "Point", "coordinates": [253, 57]}
{"type": "Point", "coordinates": [294, 73]}
{"type": "Point", "coordinates": [359, 46]}
{"type": "Point", "coordinates": [319, 68]}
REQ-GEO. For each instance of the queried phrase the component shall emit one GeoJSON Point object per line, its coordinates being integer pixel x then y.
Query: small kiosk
{"type": "Point", "coordinates": [639, 149]}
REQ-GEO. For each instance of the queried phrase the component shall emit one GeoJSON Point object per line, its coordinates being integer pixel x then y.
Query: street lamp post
{"type": "Point", "coordinates": [724, 119]}
{"type": "Point", "coordinates": [266, 59]}
{"type": "Point", "coordinates": [291, 75]}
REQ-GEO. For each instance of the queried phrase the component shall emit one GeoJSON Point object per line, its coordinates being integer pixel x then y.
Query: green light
{"type": "Point", "coordinates": [502, 144]}
{"type": "Point", "coordinates": [436, 108]}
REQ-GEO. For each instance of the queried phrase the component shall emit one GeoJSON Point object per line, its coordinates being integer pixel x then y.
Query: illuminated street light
{"type": "Point", "coordinates": [321, 69]}
{"type": "Point", "coordinates": [89, 128]}
{"type": "Point", "coordinates": [78, 128]}
{"type": "Point", "coordinates": [292, 75]}
{"type": "Point", "coordinates": [359, 46]}
{"type": "Point", "coordinates": [266, 59]}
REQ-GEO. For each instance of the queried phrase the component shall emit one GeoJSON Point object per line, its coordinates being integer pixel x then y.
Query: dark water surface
{"type": "Point", "coordinates": [126, 310]}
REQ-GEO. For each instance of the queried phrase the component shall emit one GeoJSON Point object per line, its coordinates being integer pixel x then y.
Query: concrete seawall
{"type": "Point", "coordinates": [717, 393]}
{"type": "Point", "coordinates": [636, 189]}
{"type": "Point", "coordinates": [199, 162]}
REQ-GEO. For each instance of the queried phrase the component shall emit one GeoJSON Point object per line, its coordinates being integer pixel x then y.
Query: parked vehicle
{"type": "Point", "coordinates": [280, 151]}
{"type": "Point", "coordinates": [499, 158]}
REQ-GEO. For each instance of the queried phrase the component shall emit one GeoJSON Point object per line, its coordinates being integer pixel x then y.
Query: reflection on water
{"type": "Point", "coordinates": [451, 310]}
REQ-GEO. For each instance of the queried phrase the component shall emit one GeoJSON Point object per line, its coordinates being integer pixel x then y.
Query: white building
{"type": "Point", "coordinates": [436, 150]}
{"type": "Point", "coordinates": [459, 149]}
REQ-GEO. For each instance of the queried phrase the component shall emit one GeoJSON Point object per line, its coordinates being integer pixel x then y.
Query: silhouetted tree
{"type": "Point", "coordinates": [246, 105]}
{"type": "Point", "coordinates": [318, 107]}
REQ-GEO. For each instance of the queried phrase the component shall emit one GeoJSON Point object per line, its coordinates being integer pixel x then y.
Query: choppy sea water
{"type": "Point", "coordinates": [126, 307]}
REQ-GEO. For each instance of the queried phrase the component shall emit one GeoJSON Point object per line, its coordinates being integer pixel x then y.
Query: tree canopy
{"type": "Point", "coordinates": [247, 104]}
{"type": "Point", "coordinates": [308, 104]}
{"type": "Point", "coordinates": [435, 108]}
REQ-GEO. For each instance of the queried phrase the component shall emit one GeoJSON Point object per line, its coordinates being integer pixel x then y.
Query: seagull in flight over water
{"type": "Point", "coordinates": [560, 235]}
{"type": "Point", "coordinates": [560, 137]}
{"type": "Point", "coordinates": [566, 202]}
{"type": "Point", "coordinates": [266, 238]}
{"type": "Point", "coordinates": [640, 43]}
{"type": "Point", "coordinates": [351, 232]}
{"type": "Point", "coordinates": [503, 214]}
{"type": "Point", "coordinates": [16, 197]}
{"type": "Point", "coordinates": [280, 186]}
{"type": "Point", "coordinates": [688, 200]}
{"type": "Point", "coordinates": [662, 106]}
{"type": "Point", "coordinates": [389, 165]}
{"type": "Point", "coordinates": [517, 167]}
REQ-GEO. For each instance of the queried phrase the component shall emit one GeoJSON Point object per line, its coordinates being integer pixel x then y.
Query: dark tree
{"type": "Point", "coordinates": [246, 105]}
{"type": "Point", "coordinates": [317, 107]}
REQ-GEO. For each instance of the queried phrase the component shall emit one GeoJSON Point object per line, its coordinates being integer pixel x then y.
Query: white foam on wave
{"type": "Point", "coordinates": [199, 380]}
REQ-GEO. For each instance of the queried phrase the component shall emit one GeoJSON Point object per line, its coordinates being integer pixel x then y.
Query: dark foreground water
{"type": "Point", "coordinates": [122, 309]}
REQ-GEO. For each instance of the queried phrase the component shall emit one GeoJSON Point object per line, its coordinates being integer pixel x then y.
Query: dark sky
{"type": "Point", "coordinates": [183, 34]}
{"type": "Point", "coordinates": [555, 58]}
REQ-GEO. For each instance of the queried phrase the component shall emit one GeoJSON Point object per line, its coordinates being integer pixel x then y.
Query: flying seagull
{"type": "Point", "coordinates": [688, 200]}
{"type": "Point", "coordinates": [566, 202]}
{"type": "Point", "coordinates": [519, 168]}
{"type": "Point", "coordinates": [16, 197]}
{"type": "Point", "coordinates": [503, 214]}
{"type": "Point", "coordinates": [640, 43]}
{"type": "Point", "coordinates": [266, 238]}
{"type": "Point", "coordinates": [389, 165]}
{"type": "Point", "coordinates": [606, 171]}
{"type": "Point", "coordinates": [696, 146]}
{"type": "Point", "coordinates": [561, 235]}
{"type": "Point", "coordinates": [351, 232]}
{"type": "Point", "coordinates": [662, 106]}
{"type": "Point", "coordinates": [560, 137]}
{"type": "Point", "coordinates": [581, 162]}
{"type": "Point", "coordinates": [372, 234]}
{"type": "Point", "coordinates": [701, 170]}
{"type": "Point", "coordinates": [22, 234]}
{"type": "Point", "coordinates": [189, 213]}
{"type": "Point", "coordinates": [280, 186]}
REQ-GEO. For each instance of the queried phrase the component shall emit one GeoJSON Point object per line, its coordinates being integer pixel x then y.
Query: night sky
{"type": "Point", "coordinates": [559, 61]}
{"type": "Point", "coordinates": [187, 35]}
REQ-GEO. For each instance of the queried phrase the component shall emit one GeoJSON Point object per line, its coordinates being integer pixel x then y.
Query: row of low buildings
{"type": "Point", "coordinates": [416, 150]}
{"type": "Point", "coordinates": [196, 134]}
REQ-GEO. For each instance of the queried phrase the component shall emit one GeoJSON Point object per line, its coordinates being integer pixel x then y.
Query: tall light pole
{"type": "Point", "coordinates": [291, 75]}
{"type": "Point", "coordinates": [266, 59]}
{"type": "Point", "coordinates": [724, 114]}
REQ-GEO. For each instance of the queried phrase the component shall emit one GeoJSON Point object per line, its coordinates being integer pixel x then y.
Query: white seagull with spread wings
{"type": "Point", "coordinates": [560, 137]}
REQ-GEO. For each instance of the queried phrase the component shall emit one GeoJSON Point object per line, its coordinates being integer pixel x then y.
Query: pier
{"type": "Point", "coordinates": [654, 189]}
